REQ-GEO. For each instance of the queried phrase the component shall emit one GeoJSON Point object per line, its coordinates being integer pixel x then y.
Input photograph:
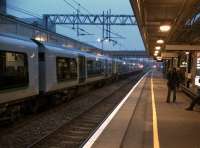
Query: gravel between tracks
{"type": "Point", "coordinates": [26, 133]}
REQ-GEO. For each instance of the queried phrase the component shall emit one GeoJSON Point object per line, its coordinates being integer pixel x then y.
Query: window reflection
{"type": "Point", "coordinates": [66, 69]}
{"type": "Point", "coordinates": [13, 70]}
{"type": "Point", "coordinates": [95, 67]}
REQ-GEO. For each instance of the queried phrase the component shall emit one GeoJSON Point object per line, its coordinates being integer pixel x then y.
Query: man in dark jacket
{"type": "Point", "coordinates": [172, 83]}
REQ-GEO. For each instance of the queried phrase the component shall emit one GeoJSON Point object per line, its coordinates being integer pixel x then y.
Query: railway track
{"type": "Point", "coordinates": [75, 133]}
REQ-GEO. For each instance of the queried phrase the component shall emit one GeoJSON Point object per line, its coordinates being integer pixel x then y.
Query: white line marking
{"type": "Point", "coordinates": [156, 143]}
{"type": "Point", "coordinates": [99, 131]}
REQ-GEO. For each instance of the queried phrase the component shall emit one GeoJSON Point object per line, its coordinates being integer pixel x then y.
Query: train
{"type": "Point", "coordinates": [30, 69]}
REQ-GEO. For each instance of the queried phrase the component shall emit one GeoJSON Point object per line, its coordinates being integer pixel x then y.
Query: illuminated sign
{"type": "Point", "coordinates": [197, 78]}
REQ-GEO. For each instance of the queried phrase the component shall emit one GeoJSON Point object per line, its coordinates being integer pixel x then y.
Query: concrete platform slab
{"type": "Point", "coordinates": [134, 125]}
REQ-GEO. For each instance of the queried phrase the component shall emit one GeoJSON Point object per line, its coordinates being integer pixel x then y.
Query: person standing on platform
{"type": "Point", "coordinates": [194, 101]}
{"type": "Point", "coordinates": [179, 78]}
{"type": "Point", "coordinates": [173, 80]}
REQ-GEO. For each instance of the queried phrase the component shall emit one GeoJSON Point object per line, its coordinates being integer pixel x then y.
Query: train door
{"type": "Point", "coordinates": [82, 68]}
{"type": "Point", "coordinates": [42, 71]}
{"type": "Point", "coordinates": [106, 68]}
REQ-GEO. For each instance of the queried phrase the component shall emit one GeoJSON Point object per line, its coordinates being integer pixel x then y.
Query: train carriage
{"type": "Point", "coordinates": [18, 68]}
{"type": "Point", "coordinates": [31, 71]}
{"type": "Point", "coordinates": [58, 68]}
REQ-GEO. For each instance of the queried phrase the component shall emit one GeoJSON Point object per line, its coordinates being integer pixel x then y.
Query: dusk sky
{"type": "Point", "coordinates": [133, 39]}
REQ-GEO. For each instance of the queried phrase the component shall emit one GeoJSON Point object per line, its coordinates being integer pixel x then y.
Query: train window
{"type": "Point", "coordinates": [94, 67]}
{"type": "Point", "coordinates": [66, 69]}
{"type": "Point", "coordinates": [13, 70]}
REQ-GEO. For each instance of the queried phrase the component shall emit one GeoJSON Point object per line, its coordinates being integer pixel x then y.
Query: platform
{"type": "Point", "coordinates": [145, 120]}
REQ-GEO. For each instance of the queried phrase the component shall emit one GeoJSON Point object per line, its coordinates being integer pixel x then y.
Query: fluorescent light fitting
{"type": "Point", "coordinates": [160, 41]}
{"type": "Point", "coordinates": [157, 47]}
{"type": "Point", "coordinates": [165, 28]}
{"type": "Point", "coordinates": [187, 52]}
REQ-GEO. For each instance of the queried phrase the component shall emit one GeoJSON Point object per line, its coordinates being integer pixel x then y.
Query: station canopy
{"type": "Point", "coordinates": [179, 19]}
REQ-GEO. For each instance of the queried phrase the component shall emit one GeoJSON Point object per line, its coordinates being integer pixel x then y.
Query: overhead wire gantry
{"type": "Point", "coordinates": [106, 20]}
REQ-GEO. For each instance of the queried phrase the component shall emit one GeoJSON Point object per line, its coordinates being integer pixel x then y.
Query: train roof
{"type": "Point", "coordinates": [16, 41]}
{"type": "Point", "coordinates": [9, 35]}
{"type": "Point", "coordinates": [20, 41]}
{"type": "Point", "coordinates": [72, 51]}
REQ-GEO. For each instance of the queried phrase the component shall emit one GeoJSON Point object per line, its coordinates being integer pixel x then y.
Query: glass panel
{"type": "Point", "coordinates": [66, 69]}
{"type": "Point", "coordinates": [95, 67]}
{"type": "Point", "coordinates": [13, 70]}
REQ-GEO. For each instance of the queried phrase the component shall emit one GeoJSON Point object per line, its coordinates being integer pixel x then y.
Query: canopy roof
{"type": "Point", "coordinates": [182, 15]}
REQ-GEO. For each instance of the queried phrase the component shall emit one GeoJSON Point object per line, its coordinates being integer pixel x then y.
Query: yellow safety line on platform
{"type": "Point", "coordinates": [156, 143]}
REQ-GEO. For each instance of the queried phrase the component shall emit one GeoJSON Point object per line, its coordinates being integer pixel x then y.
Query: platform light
{"type": "Point", "coordinates": [99, 40]}
{"type": "Point", "coordinates": [160, 41]}
{"type": "Point", "coordinates": [157, 47]}
{"type": "Point", "coordinates": [156, 52]}
{"type": "Point", "coordinates": [159, 58]}
{"type": "Point", "coordinates": [106, 40]}
{"type": "Point", "coordinates": [184, 63]}
{"type": "Point", "coordinates": [187, 52]}
{"type": "Point", "coordinates": [165, 28]}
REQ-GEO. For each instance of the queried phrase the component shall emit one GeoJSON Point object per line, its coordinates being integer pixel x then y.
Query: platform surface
{"type": "Point", "coordinates": [135, 125]}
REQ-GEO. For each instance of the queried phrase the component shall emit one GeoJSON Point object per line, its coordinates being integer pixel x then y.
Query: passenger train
{"type": "Point", "coordinates": [30, 69]}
